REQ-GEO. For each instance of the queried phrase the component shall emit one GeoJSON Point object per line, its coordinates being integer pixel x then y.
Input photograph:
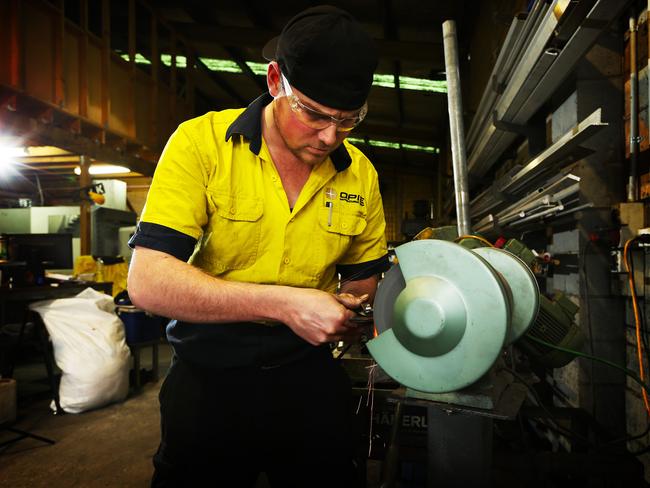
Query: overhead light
{"type": "Point", "coordinates": [9, 151]}
{"type": "Point", "coordinates": [104, 169]}
{"type": "Point", "coordinates": [395, 145]}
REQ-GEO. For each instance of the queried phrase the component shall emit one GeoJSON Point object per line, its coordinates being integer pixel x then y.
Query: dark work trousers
{"type": "Point", "coordinates": [221, 428]}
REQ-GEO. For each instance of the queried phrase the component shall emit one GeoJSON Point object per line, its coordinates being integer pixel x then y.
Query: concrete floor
{"type": "Point", "coordinates": [108, 447]}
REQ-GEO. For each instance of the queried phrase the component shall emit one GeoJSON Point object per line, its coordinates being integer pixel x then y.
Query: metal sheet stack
{"type": "Point", "coordinates": [534, 60]}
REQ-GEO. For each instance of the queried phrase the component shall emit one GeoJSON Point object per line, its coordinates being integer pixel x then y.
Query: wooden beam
{"type": "Point", "coordinates": [50, 134]}
{"type": "Point", "coordinates": [105, 64]}
{"type": "Point", "coordinates": [84, 207]}
{"type": "Point", "coordinates": [83, 60]}
{"type": "Point", "coordinates": [130, 125]}
{"type": "Point", "coordinates": [38, 168]}
{"type": "Point", "coordinates": [15, 51]}
{"type": "Point", "coordinates": [155, 79]}
{"type": "Point", "coordinates": [58, 33]}
{"type": "Point", "coordinates": [43, 160]}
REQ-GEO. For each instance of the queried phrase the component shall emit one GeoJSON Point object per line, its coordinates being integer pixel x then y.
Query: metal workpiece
{"type": "Point", "coordinates": [455, 107]}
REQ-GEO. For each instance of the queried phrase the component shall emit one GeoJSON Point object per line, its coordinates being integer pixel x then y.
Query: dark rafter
{"type": "Point", "coordinates": [202, 12]}
{"type": "Point", "coordinates": [390, 33]}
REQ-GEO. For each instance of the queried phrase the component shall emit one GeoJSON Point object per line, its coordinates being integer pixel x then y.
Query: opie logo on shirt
{"type": "Point", "coordinates": [352, 198]}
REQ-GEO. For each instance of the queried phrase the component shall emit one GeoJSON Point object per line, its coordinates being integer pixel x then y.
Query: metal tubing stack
{"type": "Point", "coordinates": [530, 67]}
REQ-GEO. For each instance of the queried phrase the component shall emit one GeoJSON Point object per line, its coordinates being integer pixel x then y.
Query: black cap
{"type": "Point", "coordinates": [326, 55]}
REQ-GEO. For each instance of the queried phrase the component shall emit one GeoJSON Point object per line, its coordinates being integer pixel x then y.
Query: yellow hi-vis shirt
{"type": "Point", "coordinates": [216, 184]}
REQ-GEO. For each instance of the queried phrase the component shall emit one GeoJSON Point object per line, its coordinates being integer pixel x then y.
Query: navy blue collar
{"type": "Point", "coordinates": [249, 125]}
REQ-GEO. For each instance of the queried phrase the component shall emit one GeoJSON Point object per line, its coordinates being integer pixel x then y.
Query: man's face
{"type": "Point", "coordinates": [311, 146]}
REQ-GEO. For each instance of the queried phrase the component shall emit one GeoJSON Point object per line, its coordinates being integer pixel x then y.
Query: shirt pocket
{"type": "Point", "coordinates": [232, 237]}
{"type": "Point", "coordinates": [338, 229]}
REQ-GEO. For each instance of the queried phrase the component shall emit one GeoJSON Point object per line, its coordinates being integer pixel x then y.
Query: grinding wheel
{"type": "Point", "coordinates": [442, 317]}
{"type": "Point", "coordinates": [522, 286]}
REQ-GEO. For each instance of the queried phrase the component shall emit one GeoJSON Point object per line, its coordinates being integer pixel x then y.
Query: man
{"type": "Point", "coordinates": [268, 204]}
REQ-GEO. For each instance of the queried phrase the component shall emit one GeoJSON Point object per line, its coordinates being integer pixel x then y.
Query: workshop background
{"type": "Point", "coordinates": [555, 113]}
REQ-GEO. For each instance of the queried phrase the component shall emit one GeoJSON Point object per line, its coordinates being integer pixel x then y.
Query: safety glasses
{"type": "Point", "coordinates": [319, 120]}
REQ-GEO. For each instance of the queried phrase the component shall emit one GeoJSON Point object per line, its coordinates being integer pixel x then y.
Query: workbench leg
{"type": "Point", "coordinates": [459, 449]}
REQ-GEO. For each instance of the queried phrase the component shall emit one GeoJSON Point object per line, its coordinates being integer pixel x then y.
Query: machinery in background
{"type": "Point", "coordinates": [555, 322]}
{"type": "Point", "coordinates": [422, 218]}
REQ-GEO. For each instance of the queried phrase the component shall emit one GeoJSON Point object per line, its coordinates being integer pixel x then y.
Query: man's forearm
{"type": "Point", "coordinates": [164, 285]}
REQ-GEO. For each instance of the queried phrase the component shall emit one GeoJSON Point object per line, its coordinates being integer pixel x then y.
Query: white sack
{"type": "Point", "coordinates": [89, 347]}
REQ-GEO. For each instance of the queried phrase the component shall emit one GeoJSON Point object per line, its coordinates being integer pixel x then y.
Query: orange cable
{"type": "Point", "coordinates": [637, 321]}
{"type": "Point", "coordinates": [478, 238]}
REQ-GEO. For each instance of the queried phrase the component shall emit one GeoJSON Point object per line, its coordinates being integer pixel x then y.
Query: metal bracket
{"type": "Point", "coordinates": [523, 130]}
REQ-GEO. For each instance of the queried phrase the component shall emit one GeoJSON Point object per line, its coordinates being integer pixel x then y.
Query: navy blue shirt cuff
{"type": "Point", "coordinates": [161, 238]}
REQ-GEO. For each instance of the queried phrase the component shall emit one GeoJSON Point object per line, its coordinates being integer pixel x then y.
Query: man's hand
{"type": "Point", "coordinates": [319, 317]}
{"type": "Point", "coordinates": [348, 300]}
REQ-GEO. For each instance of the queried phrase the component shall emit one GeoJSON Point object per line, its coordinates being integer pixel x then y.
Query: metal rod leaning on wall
{"type": "Point", "coordinates": [632, 191]}
{"type": "Point", "coordinates": [455, 107]}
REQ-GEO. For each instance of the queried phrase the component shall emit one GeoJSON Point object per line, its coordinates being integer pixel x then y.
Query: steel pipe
{"type": "Point", "coordinates": [455, 104]}
{"type": "Point", "coordinates": [632, 187]}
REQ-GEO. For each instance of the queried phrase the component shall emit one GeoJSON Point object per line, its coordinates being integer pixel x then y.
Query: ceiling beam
{"type": "Point", "coordinates": [425, 136]}
{"type": "Point", "coordinates": [204, 36]}
{"type": "Point", "coordinates": [209, 80]}
{"type": "Point", "coordinates": [49, 134]}
{"type": "Point", "coordinates": [390, 33]}
{"type": "Point", "coordinates": [36, 160]}
{"type": "Point", "coordinates": [204, 13]}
